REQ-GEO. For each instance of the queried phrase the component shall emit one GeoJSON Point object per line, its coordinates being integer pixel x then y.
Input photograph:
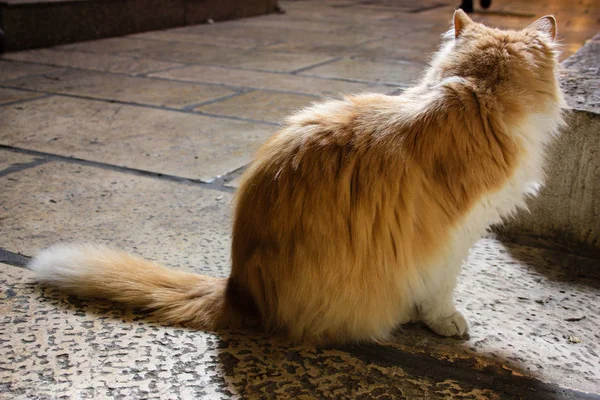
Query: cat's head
{"type": "Point", "coordinates": [510, 62]}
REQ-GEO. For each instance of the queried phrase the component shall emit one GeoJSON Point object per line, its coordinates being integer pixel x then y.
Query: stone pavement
{"type": "Point", "coordinates": [138, 142]}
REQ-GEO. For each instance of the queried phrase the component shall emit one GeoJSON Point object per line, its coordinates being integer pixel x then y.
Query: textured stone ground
{"type": "Point", "coordinates": [138, 142]}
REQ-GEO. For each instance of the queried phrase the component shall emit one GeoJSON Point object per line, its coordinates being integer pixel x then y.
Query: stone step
{"type": "Point", "coordinates": [26, 24]}
{"type": "Point", "coordinates": [568, 207]}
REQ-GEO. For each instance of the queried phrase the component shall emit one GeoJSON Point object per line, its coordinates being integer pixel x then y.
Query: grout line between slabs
{"type": "Point", "coordinates": [217, 184]}
{"type": "Point", "coordinates": [128, 103]}
{"type": "Point", "coordinates": [188, 64]}
{"type": "Point", "coordinates": [23, 166]}
{"type": "Point", "coordinates": [12, 103]}
{"type": "Point", "coordinates": [297, 71]}
{"type": "Point", "coordinates": [191, 107]}
{"type": "Point", "coordinates": [14, 259]}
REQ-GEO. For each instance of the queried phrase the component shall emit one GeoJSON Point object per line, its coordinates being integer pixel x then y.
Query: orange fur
{"type": "Point", "coordinates": [356, 216]}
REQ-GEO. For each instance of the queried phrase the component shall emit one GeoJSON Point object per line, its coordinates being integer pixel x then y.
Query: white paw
{"type": "Point", "coordinates": [454, 325]}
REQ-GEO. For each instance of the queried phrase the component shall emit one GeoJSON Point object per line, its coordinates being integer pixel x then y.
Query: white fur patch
{"type": "Point", "coordinates": [60, 263]}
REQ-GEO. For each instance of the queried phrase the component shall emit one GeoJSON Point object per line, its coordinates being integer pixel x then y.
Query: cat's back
{"type": "Point", "coordinates": [320, 146]}
{"type": "Point", "coordinates": [346, 122]}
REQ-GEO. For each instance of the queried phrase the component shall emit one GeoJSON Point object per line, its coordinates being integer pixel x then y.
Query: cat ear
{"type": "Point", "coordinates": [545, 24]}
{"type": "Point", "coordinates": [461, 21]}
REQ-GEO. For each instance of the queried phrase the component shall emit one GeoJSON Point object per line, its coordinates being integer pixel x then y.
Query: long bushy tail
{"type": "Point", "coordinates": [174, 297]}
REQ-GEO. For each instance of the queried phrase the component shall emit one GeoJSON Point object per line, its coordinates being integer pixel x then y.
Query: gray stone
{"type": "Point", "coordinates": [161, 141]}
{"type": "Point", "coordinates": [260, 105]}
{"type": "Point", "coordinates": [270, 81]}
{"type": "Point", "coordinates": [378, 72]}
{"type": "Point", "coordinates": [184, 52]}
{"type": "Point", "coordinates": [581, 78]}
{"type": "Point", "coordinates": [180, 35]}
{"type": "Point", "coordinates": [14, 69]}
{"type": "Point", "coordinates": [156, 92]}
{"type": "Point", "coordinates": [12, 95]}
{"type": "Point", "coordinates": [175, 223]}
{"type": "Point", "coordinates": [91, 61]}
{"type": "Point", "coordinates": [568, 207]}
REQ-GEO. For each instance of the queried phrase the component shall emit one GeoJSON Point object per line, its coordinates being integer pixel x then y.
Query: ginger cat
{"type": "Point", "coordinates": [357, 215]}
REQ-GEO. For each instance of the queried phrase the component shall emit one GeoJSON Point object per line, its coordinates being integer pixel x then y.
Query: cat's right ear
{"type": "Point", "coordinates": [461, 21]}
{"type": "Point", "coordinates": [545, 24]}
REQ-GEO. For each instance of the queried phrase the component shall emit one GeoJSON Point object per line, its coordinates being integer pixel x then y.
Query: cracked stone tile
{"type": "Point", "coordinates": [401, 73]}
{"type": "Point", "coordinates": [161, 141]}
{"type": "Point", "coordinates": [269, 81]}
{"type": "Point", "coordinates": [91, 61]}
{"type": "Point", "coordinates": [124, 88]}
{"type": "Point", "coordinates": [260, 105]}
{"type": "Point", "coordinates": [13, 69]}
{"type": "Point", "coordinates": [12, 95]}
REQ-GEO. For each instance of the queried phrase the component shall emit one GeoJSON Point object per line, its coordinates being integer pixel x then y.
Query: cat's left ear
{"type": "Point", "coordinates": [461, 20]}
{"type": "Point", "coordinates": [545, 24]}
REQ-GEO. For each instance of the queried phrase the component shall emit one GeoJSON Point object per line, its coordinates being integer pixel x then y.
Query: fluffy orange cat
{"type": "Point", "coordinates": [357, 215]}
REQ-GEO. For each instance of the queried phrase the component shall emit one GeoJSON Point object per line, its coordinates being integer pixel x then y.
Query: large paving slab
{"type": "Point", "coordinates": [110, 45]}
{"type": "Point", "coordinates": [91, 61]}
{"type": "Point", "coordinates": [260, 105]}
{"type": "Point", "coordinates": [417, 47]}
{"type": "Point", "coordinates": [12, 95]}
{"type": "Point", "coordinates": [124, 88]}
{"type": "Point", "coordinates": [533, 312]}
{"type": "Point", "coordinates": [175, 223]}
{"type": "Point", "coordinates": [280, 22]}
{"type": "Point", "coordinates": [167, 142]}
{"type": "Point", "coordinates": [13, 69]}
{"type": "Point", "coordinates": [269, 81]}
{"type": "Point", "coordinates": [270, 35]}
{"type": "Point", "coordinates": [380, 72]}
{"type": "Point", "coordinates": [183, 52]}
{"type": "Point", "coordinates": [182, 35]}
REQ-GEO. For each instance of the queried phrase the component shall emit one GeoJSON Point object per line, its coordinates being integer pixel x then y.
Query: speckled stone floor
{"type": "Point", "coordinates": [138, 142]}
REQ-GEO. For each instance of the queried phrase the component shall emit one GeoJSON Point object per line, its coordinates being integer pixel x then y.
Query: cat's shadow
{"type": "Point", "coordinates": [258, 367]}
